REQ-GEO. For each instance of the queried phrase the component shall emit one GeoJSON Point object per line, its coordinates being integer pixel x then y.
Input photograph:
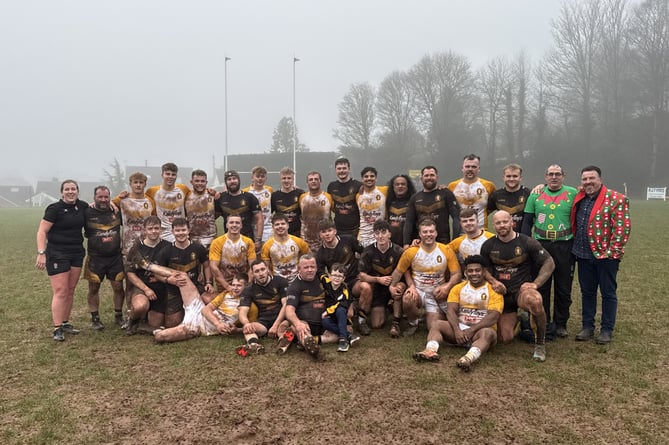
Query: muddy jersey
{"type": "Point", "coordinates": [282, 257]}
{"type": "Point", "coordinates": [314, 209]}
{"type": "Point", "coordinates": [103, 230]}
{"type": "Point", "coordinates": [169, 205]}
{"type": "Point", "coordinates": [134, 212]}
{"type": "Point", "coordinates": [347, 216]}
{"type": "Point", "coordinates": [428, 269]}
{"type": "Point", "coordinates": [266, 297]}
{"type": "Point", "coordinates": [512, 202]}
{"type": "Point", "coordinates": [372, 207]}
{"type": "Point", "coordinates": [308, 299]}
{"type": "Point", "coordinates": [396, 216]}
{"type": "Point", "coordinates": [464, 246]}
{"type": "Point", "coordinates": [438, 205]}
{"type": "Point", "coordinates": [201, 216]}
{"type": "Point", "coordinates": [474, 196]}
{"type": "Point", "coordinates": [234, 256]}
{"type": "Point", "coordinates": [226, 307]}
{"type": "Point", "coordinates": [264, 198]}
{"type": "Point", "coordinates": [288, 203]}
{"type": "Point", "coordinates": [512, 262]}
{"type": "Point", "coordinates": [244, 205]}
{"type": "Point", "coordinates": [158, 254]}
{"type": "Point", "coordinates": [343, 253]}
{"type": "Point", "coordinates": [475, 302]}
{"type": "Point", "coordinates": [188, 259]}
{"type": "Point", "coordinates": [375, 263]}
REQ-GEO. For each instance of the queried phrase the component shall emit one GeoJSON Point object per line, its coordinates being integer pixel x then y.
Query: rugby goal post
{"type": "Point", "coordinates": [656, 193]}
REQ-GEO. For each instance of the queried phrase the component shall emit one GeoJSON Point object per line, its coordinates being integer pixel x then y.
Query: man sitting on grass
{"type": "Point", "coordinates": [472, 314]}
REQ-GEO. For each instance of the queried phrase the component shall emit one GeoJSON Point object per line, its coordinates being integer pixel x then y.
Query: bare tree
{"type": "Point", "coordinates": [650, 42]}
{"type": "Point", "coordinates": [356, 117]}
{"type": "Point", "coordinates": [282, 138]}
{"type": "Point", "coordinates": [493, 82]}
{"type": "Point", "coordinates": [396, 111]}
{"type": "Point", "coordinates": [442, 84]}
{"type": "Point", "coordinates": [115, 178]}
{"type": "Point", "coordinates": [577, 37]}
{"type": "Point", "coordinates": [521, 73]}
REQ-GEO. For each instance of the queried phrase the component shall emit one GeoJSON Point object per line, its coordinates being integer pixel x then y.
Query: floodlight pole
{"type": "Point", "coordinates": [225, 160]}
{"type": "Point", "coordinates": [295, 60]}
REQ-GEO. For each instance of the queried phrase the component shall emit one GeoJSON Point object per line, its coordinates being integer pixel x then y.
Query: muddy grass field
{"type": "Point", "coordinates": [104, 387]}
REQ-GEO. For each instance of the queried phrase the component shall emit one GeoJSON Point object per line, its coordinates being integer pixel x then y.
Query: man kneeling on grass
{"type": "Point", "coordinates": [269, 295]}
{"type": "Point", "coordinates": [472, 314]}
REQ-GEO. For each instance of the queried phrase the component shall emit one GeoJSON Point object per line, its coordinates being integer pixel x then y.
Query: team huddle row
{"type": "Point", "coordinates": [286, 269]}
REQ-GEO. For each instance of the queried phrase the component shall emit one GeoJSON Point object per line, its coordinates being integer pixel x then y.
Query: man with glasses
{"type": "Point", "coordinates": [547, 212]}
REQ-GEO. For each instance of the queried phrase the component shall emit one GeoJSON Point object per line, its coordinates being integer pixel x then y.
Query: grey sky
{"type": "Point", "coordinates": [84, 81]}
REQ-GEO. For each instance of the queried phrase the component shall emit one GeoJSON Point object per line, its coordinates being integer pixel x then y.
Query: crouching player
{"type": "Point", "coordinates": [471, 318]}
{"type": "Point", "coordinates": [220, 316]}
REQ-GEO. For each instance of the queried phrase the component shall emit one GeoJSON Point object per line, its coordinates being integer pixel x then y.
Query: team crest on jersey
{"type": "Point", "coordinates": [209, 199]}
{"type": "Point", "coordinates": [437, 198]}
{"type": "Point", "coordinates": [146, 205]}
{"type": "Point", "coordinates": [243, 249]}
{"type": "Point", "coordinates": [292, 248]}
{"type": "Point", "coordinates": [322, 203]}
{"type": "Point", "coordinates": [266, 194]}
{"type": "Point", "coordinates": [479, 191]}
{"type": "Point", "coordinates": [484, 296]}
{"type": "Point", "coordinates": [179, 196]}
{"type": "Point", "coordinates": [243, 202]}
{"type": "Point", "coordinates": [439, 259]}
{"type": "Point", "coordinates": [518, 251]}
{"type": "Point", "coordinates": [378, 197]}
{"type": "Point", "coordinates": [295, 199]}
{"type": "Point", "coordinates": [350, 190]}
{"type": "Point", "coordinates": [521, 199]}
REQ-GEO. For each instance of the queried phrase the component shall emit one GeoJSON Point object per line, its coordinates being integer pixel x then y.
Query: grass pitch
{"type": "Point", "coordinates": [104, 387]}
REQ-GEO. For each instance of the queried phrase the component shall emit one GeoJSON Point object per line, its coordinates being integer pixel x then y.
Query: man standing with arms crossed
{"type": "Point", "coordinates": [512, 197]}
{"type": "Point", "coordinates": [286, 200]}
{"type": "Point", "coordinates": [601, 223]}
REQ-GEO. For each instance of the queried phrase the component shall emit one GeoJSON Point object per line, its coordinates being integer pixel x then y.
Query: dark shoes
{"type": "Point", "coordinates": [97, 325]}
{"type": "Point", "coordinates": [604, 338]}
{"type": "Point", "coordinates": [58, 334]}
{"type": "Point", "coordinates": [69, 329]}
{"type": "Point", "coordinates": [363, 328]}
{"type": "Point", "coordinates": [561, 332]}
{"type": "Point", "coordinates": [585, 335]}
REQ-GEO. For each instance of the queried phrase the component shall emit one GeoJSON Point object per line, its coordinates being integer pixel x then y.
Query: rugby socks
{"type": "Point", "coordinates": [317, 339]}
{"type": "Point", "coordinates": [362, 316]}
{"type": "Point", "coordinates": [252, 340]}
{"type": "Point", "coordinates": [473, 354]}
{"type": "Point", "coordinates": [432, 346]}
{"type": "Point", "coordinates": [397, 320]}
{"type": "Point", "coordinates": [95, 315]}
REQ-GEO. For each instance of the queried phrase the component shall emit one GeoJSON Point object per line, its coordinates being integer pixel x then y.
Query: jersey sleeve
{"type": "Point", "coordinates": [495, 300]}
{"type": "Point", "coordinates": [216, 248]}
{"type": "Point", "coordinates": [454, 294]}
{"type": "Point", "coordinates": [405, 260]}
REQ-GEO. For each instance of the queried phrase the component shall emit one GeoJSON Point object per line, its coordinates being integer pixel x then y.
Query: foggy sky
{"type": "Point", "coordinates": [86, 81]}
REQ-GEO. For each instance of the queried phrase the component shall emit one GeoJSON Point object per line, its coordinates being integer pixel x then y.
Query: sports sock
{"type": "Point", "coordinates": [474, 353]}
{"type": "Point", "coordinates": [432, 346]}
{"type": "Point", "coordinates": [252, 340]}
{"type": "Point", "coordinates": [397, 320]}
{"type": "Point", "coordinates": [95, 315]}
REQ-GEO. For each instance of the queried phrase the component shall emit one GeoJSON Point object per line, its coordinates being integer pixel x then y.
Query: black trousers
{"type": "Point", "coordinates": [561, 280]}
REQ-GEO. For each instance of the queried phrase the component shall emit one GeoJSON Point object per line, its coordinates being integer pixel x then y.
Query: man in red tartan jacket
{"type": "Point", "coordinates": [600, 220]}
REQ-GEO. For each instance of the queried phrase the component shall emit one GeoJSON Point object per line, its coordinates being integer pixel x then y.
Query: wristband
{"type": "Point", "coordinates": [41, 252]}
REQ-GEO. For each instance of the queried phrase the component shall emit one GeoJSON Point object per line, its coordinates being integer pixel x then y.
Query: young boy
{"type": "Point", "coordinates": [337, 301]}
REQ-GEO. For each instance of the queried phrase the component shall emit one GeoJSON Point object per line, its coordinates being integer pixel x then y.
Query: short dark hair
{"type": "Point", "coordinates": [474, 259]}
{"type": "Point", "coordinates": [180, 222]}
{"type": "Point", "coordinates": [279, 216]}
{"type": "Point", "coordinates": [468, 213]}
{"type": "Point", "coordinates": [68, 181]}
{"type": "Point", "coordinates": [338, 267]}
{"type": "Point", "coordinates": [198, 172]}
{"type": "Point", "coordinates": [256, 262]}
{"type": "Point", "coordinates": [152, 219]}
{"type": "Point", "coordinates": [326, 224]}
{"type": "Point", "coordinates": [471, 157]}
{"type": "Point", "coordinates": [342, 161]}
{"type": "Point", "coordinates": [369, 169]}
{"type": "Point", "coordinates": [380, 225]}
{"type": "Point", "coordinates": [427, 222]}
{"type": "Point", "coordinates": [100, 187]}
{"type": "Point", "coordinates": [592, 168]}
{"type": "Point", "coordinates": [428, 167]}
{"type": "Point", "coordinates": [169, 167]}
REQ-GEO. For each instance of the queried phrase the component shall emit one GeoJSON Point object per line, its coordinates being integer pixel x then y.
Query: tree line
{"type": "Point", "coordinates": [599, 96]}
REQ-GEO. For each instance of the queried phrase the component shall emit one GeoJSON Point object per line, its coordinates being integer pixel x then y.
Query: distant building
{"type": "Point", "coordinates": [15, 195]}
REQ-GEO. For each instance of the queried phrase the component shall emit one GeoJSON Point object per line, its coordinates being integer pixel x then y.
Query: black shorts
{"type": "Point", "coordinates": [510, 302]}
{"type": "Point", "coordinates": [266, 322]}
{"type": "Point", "coordinates": [59, 262]}
{"type": "Point", "coordinates": [174, 303]}
{"type": "Point", "coordinates": [316, 328]}
{"type": "Point", "coordinates": [97, 268]}
{"type": "Point", "coordinates": [381, 295]}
